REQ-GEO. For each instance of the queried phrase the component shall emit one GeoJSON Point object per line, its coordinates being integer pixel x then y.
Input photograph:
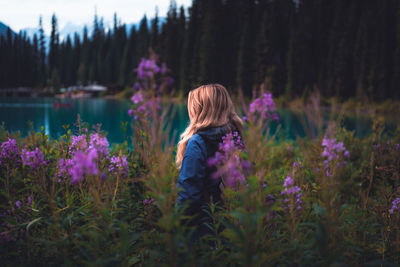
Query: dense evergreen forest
{"type": "Point", "coordinates": [342, 48]}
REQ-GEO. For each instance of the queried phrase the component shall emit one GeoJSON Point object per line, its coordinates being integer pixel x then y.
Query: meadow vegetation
{"type": "Point", "coordinates": [327, 199]}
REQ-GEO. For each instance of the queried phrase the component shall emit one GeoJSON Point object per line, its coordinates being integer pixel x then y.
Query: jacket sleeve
{"type": "Point", "coordinates": [190, 182]}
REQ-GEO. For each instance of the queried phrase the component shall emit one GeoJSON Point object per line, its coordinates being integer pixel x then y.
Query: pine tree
{"type": "Point", "coordinates": [53, 54]}
{"type": "Point", "coordinates": [129, 59]}
{"type": "Point", "coordinates": [188, 55]}
{"type": "Point", "coordinates": [143, 38]}
{"type": "Point", "coordinates": [42, 56]}
{"type": "Point", "coordinates": [245, 62]}
{"type": "Point", "coordinates": [154, 38]}
{"type": "Point", "coordinates": [35, 62]}
{"type": "Point", "coordinates": [263, 47]}
{"type": "Point", "coordinates": [208, 43]}
{"type": "Point", "coordinates": [83, 71]}
{"type": "Point", "coordinates": [395, 83]}
{"type": "Point", "coordinates": [172, 40]}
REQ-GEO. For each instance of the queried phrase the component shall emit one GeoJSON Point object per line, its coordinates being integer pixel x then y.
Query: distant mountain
{"type": "Point", "coordinates": [3, 29]}
{"type": "Point", "coordinates": [31, 31]}
{"type": "Point", "coordinates": [70, 29]}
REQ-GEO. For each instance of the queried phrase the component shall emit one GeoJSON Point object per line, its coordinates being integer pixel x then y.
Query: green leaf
{"type": "Point", "coordinates": [32, 222]}
{"type": "Point", "coordinates": [133, 260]}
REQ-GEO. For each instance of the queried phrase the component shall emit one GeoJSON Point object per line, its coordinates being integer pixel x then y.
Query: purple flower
{"type": "Point", "coordinates": [130, 112]}
{"type": "Point", "coordinates": [29, 199]}
{"type": "Point", "coordinates": [137, 98]}
{"type": "Point", "coordinates": [83, 164]}
{"type": "Point", "coordinates": [147, 69]}
{"type": "Point", "coordinates": [275, 117]}
{"type": "Point", "coordinates": [78, 143]}
{"type": "Point", "coordinates": [169, 80]}
{"type": "Point", "coordinates": [164, 68]}
{"type": "Point", "coordinates": [33, 158]}
{"type": "Point", "coordinates": [246, 165]}
{"type": "Point", "coordinates": [5, 238]}
{"type": "Point", "coordinates": [99, 143]}
{"type": "Point", "coordinates": [230, 166]}
{"type": "Point", "coordinates": [293, 190]}
{"type": "Point", "coordinates": [333, 151]}
{"type": "Point", "coordinates": [136, 86]}
{"type": "Point", "coordinates": [153, 103]}
{"type": "Point", "coordinates": [18, 204]}
{"type": "Point", "coordinates": [141, 109]}
{"type": "Point", "coordinates": [298, 164]}
{"type": "Point", "coordinates": [292, 194]}
{"type": "Point", "coordinates": [9, 150]}
{"type": "Point", "coordinates": [119, 164]}
{"type": "Point", "coordinates": [148, 202]}
{"type": "Point", "coordinates": [264, 106]}
{"type": "Point", "coordinates": [288, 181]}
{"type": "Point", "coordinates": [395, 205]}
{"type": "Point", "coordinates": [64, 167]}
{"type": "Point", "coordinates": [145, 108]}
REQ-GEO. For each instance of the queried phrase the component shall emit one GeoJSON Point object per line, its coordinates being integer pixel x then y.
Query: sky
{"type": "Point", "coordinates": [23, 14]}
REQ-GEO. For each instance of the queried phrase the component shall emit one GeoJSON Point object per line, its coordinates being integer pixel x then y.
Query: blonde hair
{"type": "Point", "coordinates": [208, 106]}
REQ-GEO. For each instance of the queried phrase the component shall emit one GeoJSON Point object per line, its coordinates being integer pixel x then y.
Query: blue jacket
{"type": "Point", "coordinates": [195, 182]}
{"type": "Point", "coordinates": [196, 186]}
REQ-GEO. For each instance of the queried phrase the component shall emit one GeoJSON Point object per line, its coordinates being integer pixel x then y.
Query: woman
{"type": "Point", "coordinates": [212, 116]}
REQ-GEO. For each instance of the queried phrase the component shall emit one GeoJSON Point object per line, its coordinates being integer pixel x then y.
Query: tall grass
{"type": "Point", "coordinates": [306, 202]}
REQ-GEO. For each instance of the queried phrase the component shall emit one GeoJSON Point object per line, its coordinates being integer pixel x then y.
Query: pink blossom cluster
{"type": "Point", "coordinates": [151, 78]}
{"type": "Point", "coordinates": [148, 202]}
{"type": "Point", "coordinates": [147, 69]}
{"type": "Point", "coordinates": [83, 164]}
{"type": "Point", "coordinates": [292, 194]}
{"type": "Point", "coordinates": [78, 143]}
{"type": "Point", "coordinates": [84, 157]}
{"type": "Point", "coordinates": [264, 106]}
{"type": "Point", "coordinates": [119, 164]}
{"type": "Point", "coordinates": [387, 147]}
{"type": "Point", "coordinates": [143, 108]}
{"type": "Point", "coordinates": [333, 151]}
{"type": "Point", "coordinates": [9, 150]}
{"type": "Point", "coordinates": [228, 162]}
{"type": "Point", "coordinates": [395, 205]}
{"type": "Point", "coordinates": [99, 143]}
{"type": "Point", "coordinates": [34, 158]}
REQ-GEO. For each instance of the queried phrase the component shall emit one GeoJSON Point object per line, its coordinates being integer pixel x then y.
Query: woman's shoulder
{"type": "Point", "coordinates": [195, 145]}
{"type": "Point", "coordinates": [196, 140]}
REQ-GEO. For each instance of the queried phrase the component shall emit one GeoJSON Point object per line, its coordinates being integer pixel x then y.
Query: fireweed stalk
{"type": "Point", "coordinates": [258, 115]}
{"type": "Point", "coordinates": [228, 161]}
{"type": "Point", "coordinates": [84, 158]}
{"type": "Point", "coordinates": [34, 158]}
{"type": "Point", "coordinates": [292, 203]}
{"type": "Point", "coordinates": [9, 157]}
{"type": "Point", "coordinates": [334, 152]}
{"type": "Point", "coordinates": [154, 151]}
{"type": "Point", "coordinates": [395, 206]}
{"type": "Point", "coordinates": [9, 152]}
{"type": "Point", "coordinates": [151, 83]}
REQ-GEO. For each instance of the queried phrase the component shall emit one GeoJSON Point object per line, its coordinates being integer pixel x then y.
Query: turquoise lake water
{"type": "Point", "coordinates": [16, 113]}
